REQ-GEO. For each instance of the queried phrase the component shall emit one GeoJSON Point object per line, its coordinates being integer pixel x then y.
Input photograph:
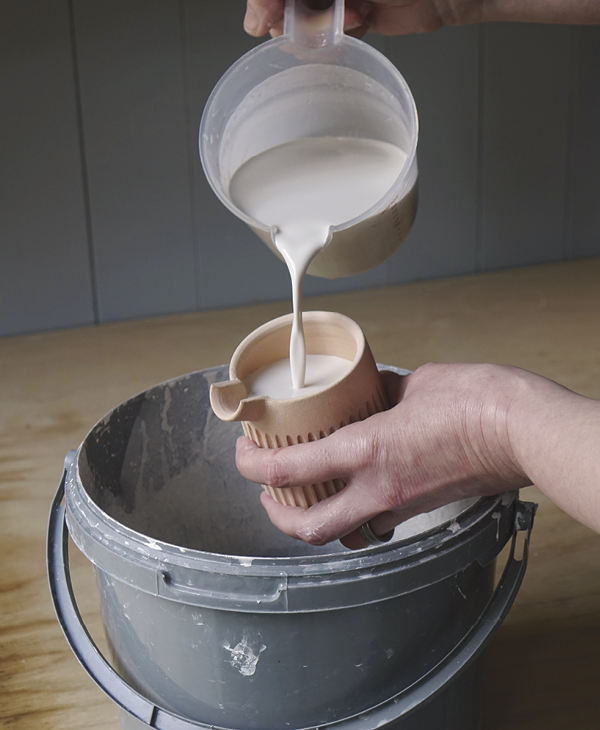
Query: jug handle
{"type": "Point", "coordinates": [314, 24]}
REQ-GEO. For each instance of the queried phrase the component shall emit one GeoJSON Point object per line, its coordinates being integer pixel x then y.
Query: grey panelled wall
{"type": "Point", "coordinates": [105, 213]}
{"type": "Point", "coordinates": [583, 222]}
{"type": "Point", "coordinates": [442, 70]}
{"type": "Point", "coordinates": [524, 144]}
{"type": "Point", "coordinates": [45, 273]}
{"type": "Point", "coordinates": [133, 109]}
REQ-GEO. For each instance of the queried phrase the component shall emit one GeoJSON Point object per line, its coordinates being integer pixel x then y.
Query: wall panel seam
{"type": "Point", "coordinates": [573, 98]}
{"type": "Point", "coordinates": [191, 147]}
{"type": "Point", "coordinates": [481, 110]}
{"type": "Point", "coordinates": [84, 167]}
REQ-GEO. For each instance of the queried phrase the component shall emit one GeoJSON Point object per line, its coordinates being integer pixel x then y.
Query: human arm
{"type": "Point", "coordinates": [398, 17]}
{"type": "Point", "coordinates": [457, 431]}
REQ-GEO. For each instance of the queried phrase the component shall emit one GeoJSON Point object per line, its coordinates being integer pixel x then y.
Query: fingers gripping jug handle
{"type": "Point", "coordinates": [314, 23]}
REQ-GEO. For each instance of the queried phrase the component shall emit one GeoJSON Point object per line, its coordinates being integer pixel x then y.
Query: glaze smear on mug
{"type": "Point", "coordinates": [303, 188]}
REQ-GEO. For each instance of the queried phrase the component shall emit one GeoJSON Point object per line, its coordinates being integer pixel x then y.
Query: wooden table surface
{"type": "Point", "coordinates": [542, 664]}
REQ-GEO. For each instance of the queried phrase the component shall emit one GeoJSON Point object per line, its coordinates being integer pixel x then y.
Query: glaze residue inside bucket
{"type": "Point", "coordinates": [162, 464]}
{"type": "Point", "coordinates": [213, 614]}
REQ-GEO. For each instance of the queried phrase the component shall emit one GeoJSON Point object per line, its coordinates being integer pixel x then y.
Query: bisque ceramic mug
{"type": "Point", "coordinates": [271, 422]}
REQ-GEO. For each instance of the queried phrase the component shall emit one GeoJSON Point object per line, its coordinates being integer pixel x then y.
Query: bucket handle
{"type": "Point", "coordinates": [402, 704]}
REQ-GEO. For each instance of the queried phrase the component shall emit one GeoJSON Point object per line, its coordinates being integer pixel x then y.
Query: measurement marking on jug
{"type": "Point", "coordinates": [243, 657]}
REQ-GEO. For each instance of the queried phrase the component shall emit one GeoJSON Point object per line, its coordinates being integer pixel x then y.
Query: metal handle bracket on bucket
{"type": "Point", "coordinates": [396, 707]}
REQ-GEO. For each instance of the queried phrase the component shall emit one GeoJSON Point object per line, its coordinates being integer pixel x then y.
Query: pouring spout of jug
{"type": "Point", "coordinates": [230, 402]}
{"type": "Point", "coordinates": [314, 23]}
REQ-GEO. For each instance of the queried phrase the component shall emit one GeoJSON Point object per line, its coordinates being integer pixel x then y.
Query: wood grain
{"type": "Point", "coordinates": [542, 669]}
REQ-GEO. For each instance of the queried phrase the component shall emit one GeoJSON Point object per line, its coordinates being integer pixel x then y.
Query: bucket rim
{"type": "Point", "coordinates": [77, 498]}
{"type": "Point", "coordinates": [82, 499]}
{"type": "Point", "coordinates": [321, 581]}
{"type": "Point", "coordinates": [286, 583]}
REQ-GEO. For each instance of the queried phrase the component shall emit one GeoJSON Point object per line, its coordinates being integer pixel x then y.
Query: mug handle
{"type": "Point", "coordinates": [402, 704]}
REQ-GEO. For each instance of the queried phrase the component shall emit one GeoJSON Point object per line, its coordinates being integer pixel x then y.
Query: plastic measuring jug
{"type": "Point", "coordinates": [313, 81]}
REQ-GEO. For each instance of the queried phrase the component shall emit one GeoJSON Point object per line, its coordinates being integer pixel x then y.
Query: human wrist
{"type": "Point", "coordinates": [555, 434]}
{"type": "Point", "coordinates": [491, 437]}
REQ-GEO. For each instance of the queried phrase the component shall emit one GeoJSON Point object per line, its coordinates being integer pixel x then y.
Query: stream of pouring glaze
{"type": "Point", "coordinates": [303, 188]}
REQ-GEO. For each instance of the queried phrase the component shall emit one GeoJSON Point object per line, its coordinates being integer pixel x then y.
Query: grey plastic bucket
{"type": "Point", "coordinates": [215, 619]}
